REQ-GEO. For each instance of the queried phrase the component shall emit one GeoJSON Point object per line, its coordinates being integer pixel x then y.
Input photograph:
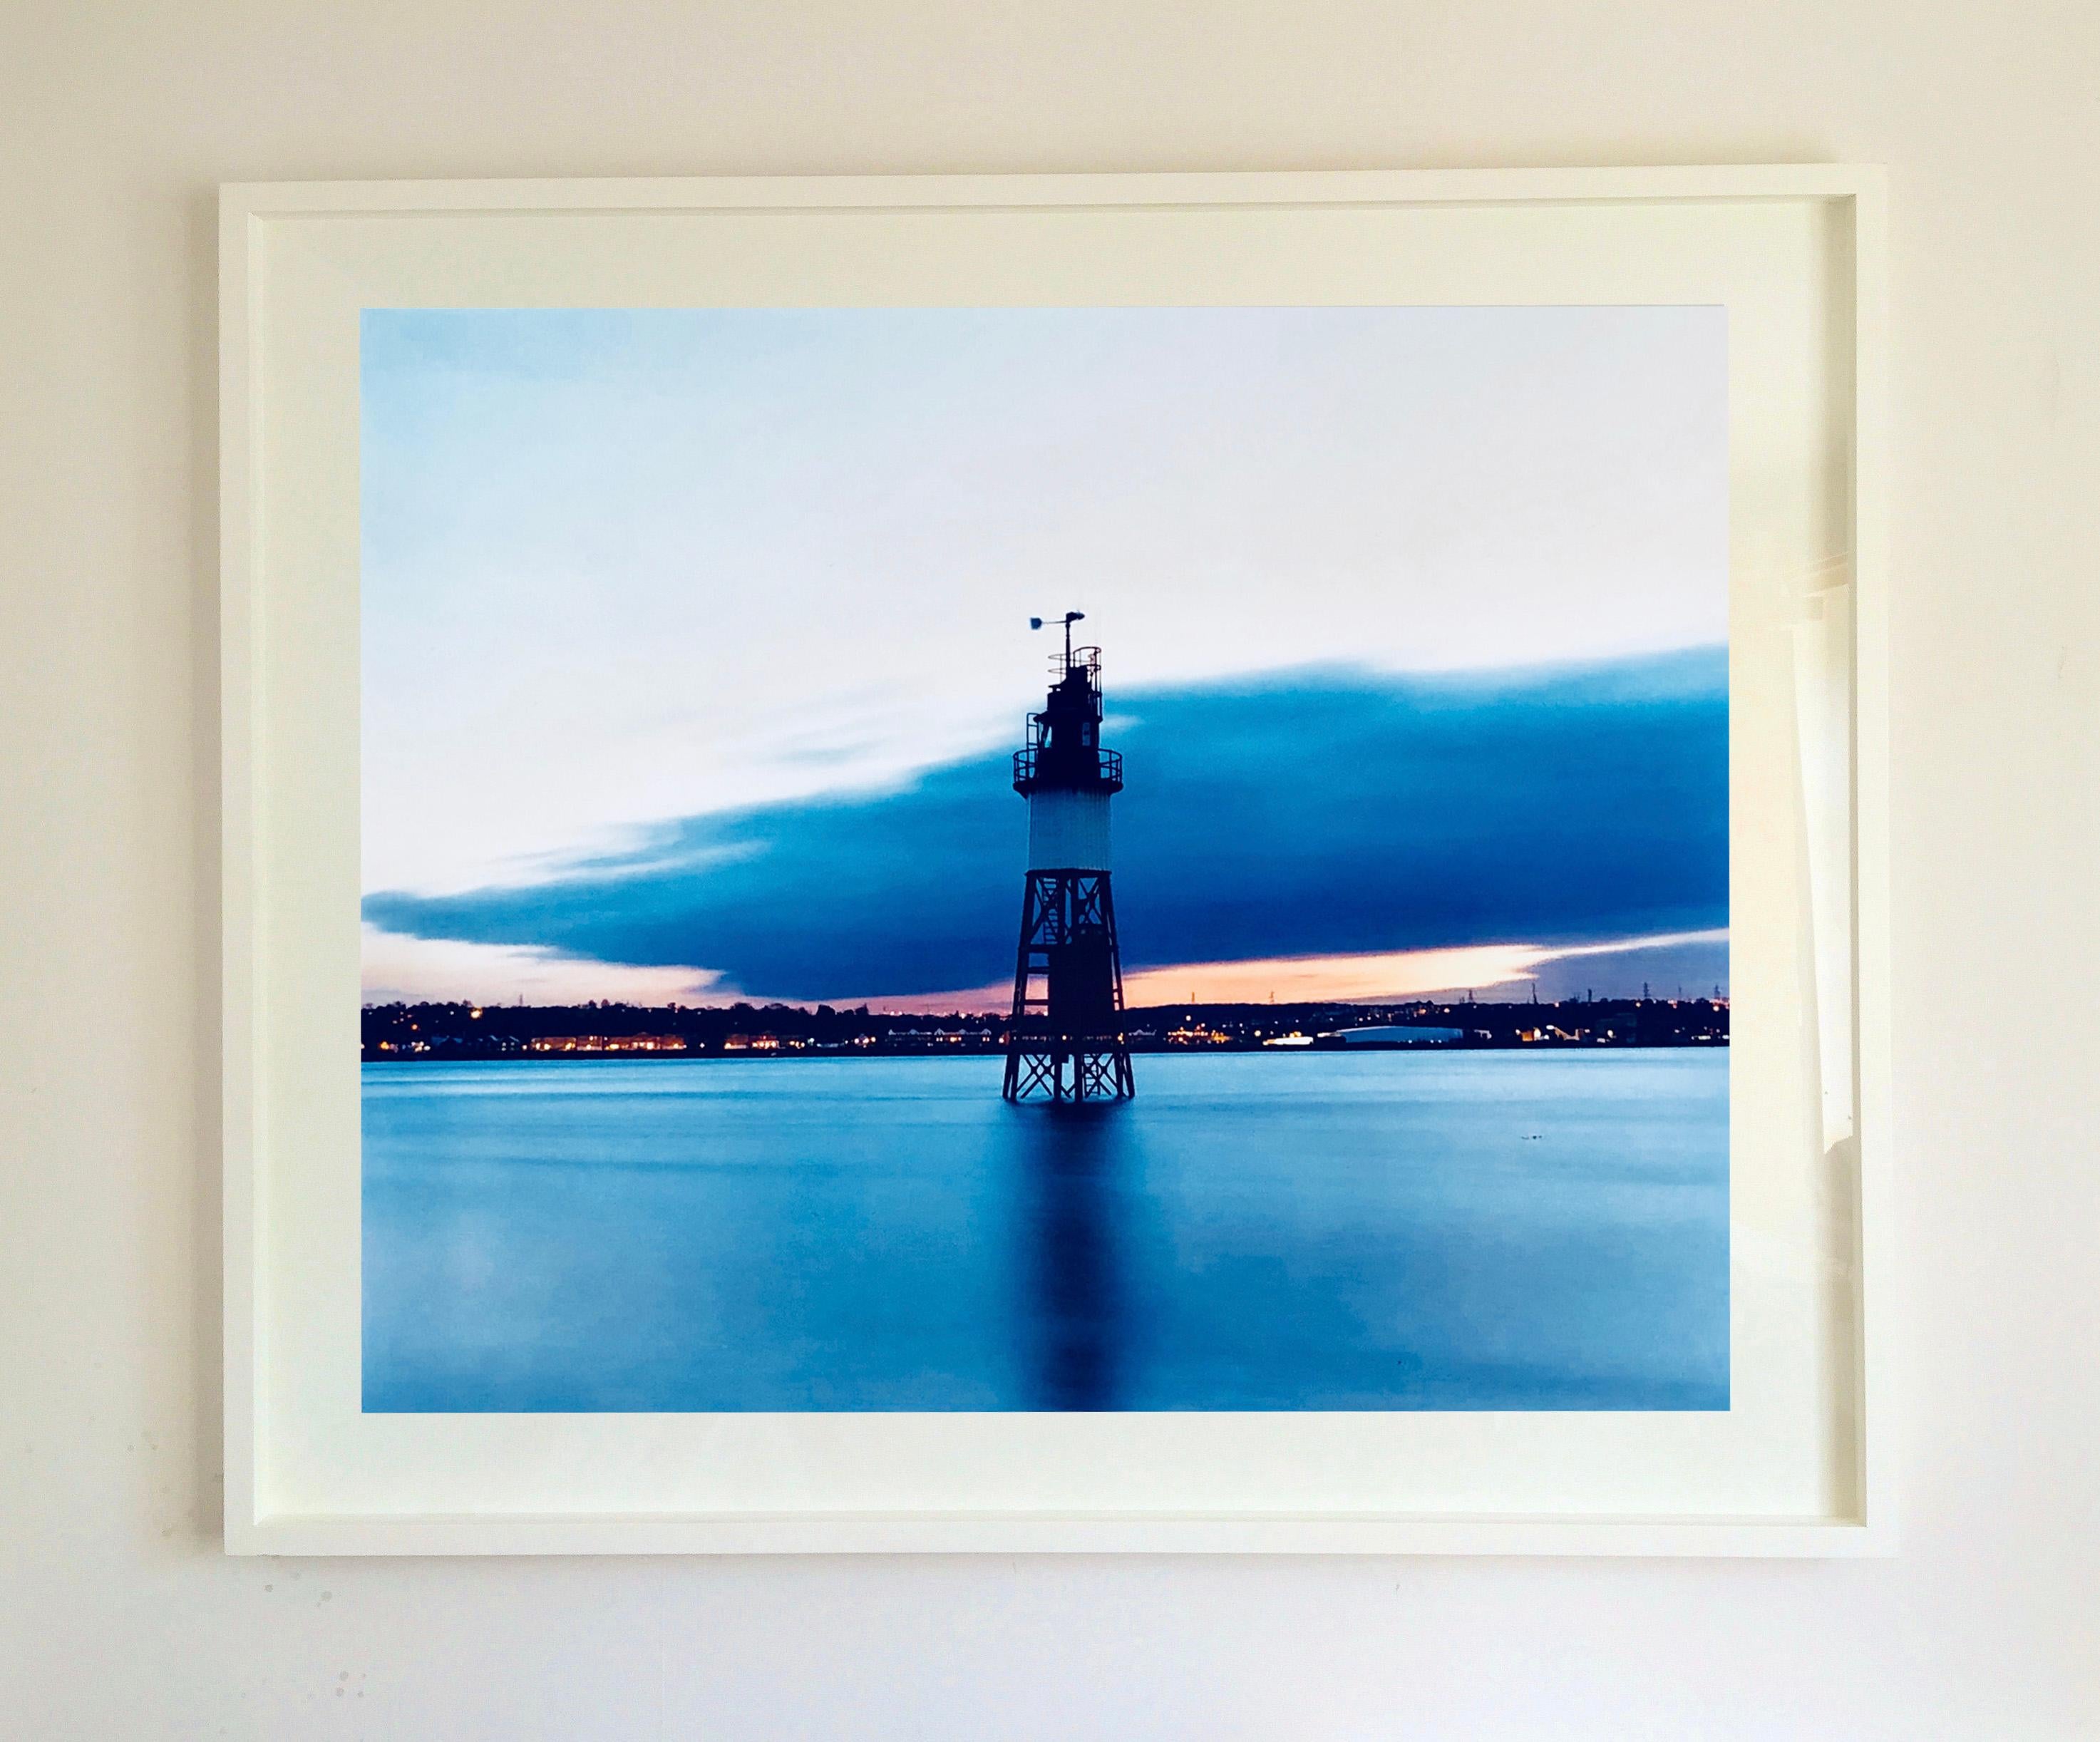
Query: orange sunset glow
{"type": "Point", "coordinates": [1373, 978]}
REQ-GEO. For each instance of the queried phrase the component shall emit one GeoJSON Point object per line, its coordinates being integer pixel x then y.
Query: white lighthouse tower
{"type": "Point", "coordinates": [1065, 1042]}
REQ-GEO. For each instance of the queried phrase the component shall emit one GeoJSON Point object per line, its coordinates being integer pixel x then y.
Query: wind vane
{"type": "Point", "coordinates": [1069, 619]}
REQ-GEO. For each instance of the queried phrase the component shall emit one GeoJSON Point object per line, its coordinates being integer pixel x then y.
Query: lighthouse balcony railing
{"type": "Point", "coordinates": [1087, 659]}
{"type": "Point", "coordinates": [1108, 762]}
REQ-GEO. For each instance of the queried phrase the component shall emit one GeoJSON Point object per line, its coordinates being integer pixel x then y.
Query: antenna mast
{"type": "Point", "coordinates": [1070, 617]}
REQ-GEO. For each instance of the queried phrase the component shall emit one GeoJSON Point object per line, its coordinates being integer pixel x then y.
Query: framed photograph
{"type": "Point", "coordinates": [1176, 863]}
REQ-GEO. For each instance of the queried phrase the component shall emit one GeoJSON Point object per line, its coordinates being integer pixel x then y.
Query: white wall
{"type": "Point", "coordinates": [119, 1619]}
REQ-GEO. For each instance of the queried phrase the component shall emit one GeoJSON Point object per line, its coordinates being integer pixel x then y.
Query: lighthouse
{"type": "Point", "coordinates": [1065, 1042]}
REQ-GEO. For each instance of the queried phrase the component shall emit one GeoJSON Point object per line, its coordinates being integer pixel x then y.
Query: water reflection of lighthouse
{"type": "Point", "coordinates": [1065, 1042]}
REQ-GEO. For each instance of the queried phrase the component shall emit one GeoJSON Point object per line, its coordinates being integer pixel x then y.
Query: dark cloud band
{"type": "Point", "coordinates": [1321, 812]}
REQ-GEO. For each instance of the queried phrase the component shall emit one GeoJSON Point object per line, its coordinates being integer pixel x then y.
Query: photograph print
{"type": "Point", "coordinates": [968, 859]}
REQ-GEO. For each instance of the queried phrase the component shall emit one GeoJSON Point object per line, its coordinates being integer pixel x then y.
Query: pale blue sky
{"type": "Point", "coordinates": [625, 567]}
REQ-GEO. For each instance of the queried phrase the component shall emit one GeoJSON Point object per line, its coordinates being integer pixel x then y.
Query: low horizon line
{"type": "Point", "coordinates": [863, 1007]}
{"type": "Point", "coordinates": [1365, 978]}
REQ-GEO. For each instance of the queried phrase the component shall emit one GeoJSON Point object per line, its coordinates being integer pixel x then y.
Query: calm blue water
{"type": "Point", "coordinates": [1392, 1231]}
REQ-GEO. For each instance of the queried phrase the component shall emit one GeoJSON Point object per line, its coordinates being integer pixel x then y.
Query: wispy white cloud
{"type": "Point", "coordinates": [443, 970]}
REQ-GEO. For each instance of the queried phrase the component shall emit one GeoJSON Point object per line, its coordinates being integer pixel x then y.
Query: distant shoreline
{"type": "Point", "coordinates": [418, 1033]}
{"type": "Point", "coordinates": [959, 1054]}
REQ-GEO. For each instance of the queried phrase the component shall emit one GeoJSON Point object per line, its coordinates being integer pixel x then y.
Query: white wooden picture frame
{"type": "Point", "coordinates": [1801, 1466]}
